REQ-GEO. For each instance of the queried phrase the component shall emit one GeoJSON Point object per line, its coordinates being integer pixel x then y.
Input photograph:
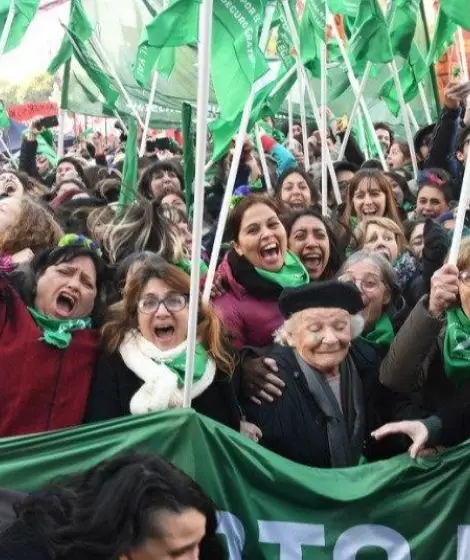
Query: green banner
{"type": "Point", "coordinates": [269, 507]}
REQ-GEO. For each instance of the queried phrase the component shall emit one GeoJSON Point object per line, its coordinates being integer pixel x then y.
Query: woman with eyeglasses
{"type": "Point", "coordinates": [144, 340]}
{"type": "Point", "coordinates": [431, 353]}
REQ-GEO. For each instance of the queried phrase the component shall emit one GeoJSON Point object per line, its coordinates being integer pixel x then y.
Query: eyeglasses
{"type": "Point", "coordinates": [172, 303]}
{"type": "Point", "coordinates": [367, 283]}
{"type": "Point", "coordinates": [464, 277]}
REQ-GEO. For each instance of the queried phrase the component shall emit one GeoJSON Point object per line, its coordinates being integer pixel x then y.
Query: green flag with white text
{"type": "Point", "coordinates": [25, 10]}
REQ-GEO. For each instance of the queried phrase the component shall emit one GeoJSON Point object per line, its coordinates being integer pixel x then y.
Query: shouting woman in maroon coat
{"type": "Point", "coordinates": [47, 342]}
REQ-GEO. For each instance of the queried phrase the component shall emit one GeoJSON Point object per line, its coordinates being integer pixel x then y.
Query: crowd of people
{"type": "Point", "coordinates": [330, 340]}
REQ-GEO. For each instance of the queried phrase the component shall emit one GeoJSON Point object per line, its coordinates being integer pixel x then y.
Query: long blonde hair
{"type": "Point", "coordinates": [122, 316]}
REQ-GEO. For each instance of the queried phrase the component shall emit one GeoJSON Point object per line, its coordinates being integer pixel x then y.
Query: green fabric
{"type": "Point", "coordinates": [4, 118]}
{"type": "Point", "coordinates": [45, 149]}
{"type": "Point", "coordinates": [456, 349]}
{"type": "Point", "coordinates": [458, 11]}
{"type": "Point", "coordinates": [178, 364]}
{"type": "Point", "coordinates": [443, 37]}
{"type": "Point", "coordinates": [189, 164]}
{"type": "Point", "coordinates": [291, 275]}
{"type": "Point", "coordinates": [185, 265]}
{"type": "Point", "coordinates": [343, 7]}
{"type": "Point", "coordinates": [370, 41]}
{"type": "Point", "coordinates": [57, 332]}
{"type": "Point", "coordinates": [402, 25]}
{"type": "Point", "coordinates": [25, 10]}
{"type": "Point", "coordinates": [264, 499]}
{"type": "Point", "coordinates": [382, 333]}
{"type": "Point", "coordinates": [129, 173]}
{"type": "Point", "coordinates": [310, 40]}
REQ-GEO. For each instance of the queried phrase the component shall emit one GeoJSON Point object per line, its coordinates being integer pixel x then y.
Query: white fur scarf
{"type": "Point", "coordinates": [160, 389]}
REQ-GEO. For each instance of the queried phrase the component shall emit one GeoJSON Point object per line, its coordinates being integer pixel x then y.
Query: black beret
{"type": "Point", "coordinates": [331, 293]}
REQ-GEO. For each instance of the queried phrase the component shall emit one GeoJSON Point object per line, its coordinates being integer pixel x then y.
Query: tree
{"type": "Point", "coordinates": [38, 88]}
{"type": "Point", "coordinates": [8, 93]}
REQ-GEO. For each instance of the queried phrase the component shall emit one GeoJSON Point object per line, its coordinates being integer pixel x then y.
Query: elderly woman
{"type": "Point", "coordinates": [430, 353]}
{"type": "Point", "coordinates": [324, 413]}
{"type": "Point", "coordinates": [142, 367]}
{"type": "Point", "coordinates": [48, 343]}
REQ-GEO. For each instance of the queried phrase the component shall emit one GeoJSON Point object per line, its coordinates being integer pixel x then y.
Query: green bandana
{"type": "Point", "coordinates": [382, 333]}
{"type": "Point", "coordinates": [185, 265]}
{"type": "Point", "coordinates": [291, 275]}
{"type": "Point", "coordinates": [456, 349]}
{"type": "Point", "coordinates": [178, 364]}
{"type": "Point", "coordinates": [56, 332]}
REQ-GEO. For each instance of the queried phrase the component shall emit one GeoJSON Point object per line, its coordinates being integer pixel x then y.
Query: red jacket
{"type": "Point", "coordinates": [250, 321]}
{"type": "Point", "coordinates": [41, 387]}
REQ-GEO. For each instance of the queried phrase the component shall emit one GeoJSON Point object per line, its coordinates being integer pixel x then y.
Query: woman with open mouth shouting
{"type": "Point", "coordinates": [49, 346]}
{"type": "Point", "coordinates": [255, 271]}
{"type": "Point", "coordinates": [142, 368]}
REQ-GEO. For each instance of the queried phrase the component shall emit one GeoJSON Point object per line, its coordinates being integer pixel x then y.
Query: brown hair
{"type": "Point", "coordinates": [463, 260]}
{"type": "Point", "coordinates": [370, 175]}
{"type": "Point", "coordinates": [31, 186]}
{"type": "Point", "coordinates": [35, 229]}
{"type": "Point", "coordinates": [360, 232]}
{"type": "Point", "coordinates": [122, 316]}
{"type": "Point", "coordinates": [235, 216]}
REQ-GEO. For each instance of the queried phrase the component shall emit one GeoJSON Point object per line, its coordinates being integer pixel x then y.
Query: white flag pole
{"type": "Point", "coordinates": [324, 144]}
{"type": "Point", "coordinates": [311, 95]}
{"type": "Point", "coordinates": [409, 135]}
{"type": "Point", "coordinates": [61, 136]}
{"type": "Point", "coordinates": [362, 135]}
{"type": "Point", "coordinates": [148, 113]}
{"type": "Point", "coordinates": [356, 89]}
{"type": "Point", "coordinates": [264, 163]}
{"type": "Point", "coordinates": [462, 54]}
{"type": "Point", "coordinates": [290, 119]}
{"type": "Point", "coordinates": [412, 117]}
{"type": "Point", "coordinates": [7, 150]}
{"type": "Point", "coordinates": [203, 57]}
{"type": "Point", "coordinates": [424, 102]}
{"type": "Point", "coordinates": [240, 139]}
{"type": "Point", "coordinates": [7, 28]}
{"type": "Point", "coordinates": [303, 117]}
{"type": "Point", "coordinates": [460, 218]}
{"type": "Point", "coordinates": [280, 84]}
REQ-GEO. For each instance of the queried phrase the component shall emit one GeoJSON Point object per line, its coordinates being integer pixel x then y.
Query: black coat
{"type": "Point", "coordinates": [295, 427]}
{"type": "Point", "coordinates": [114, 384]}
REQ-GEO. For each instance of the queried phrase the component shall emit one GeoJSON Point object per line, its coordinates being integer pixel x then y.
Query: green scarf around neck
{"type": "Point", "coordinates": [456, 348]}
{"type": "Point", "coordinates": [178, 364]}
{"type": "Point", "coordinates": [382, 333]}
{"type": "Point", "coordinates": [57, 332]}
{"type": "Point", "coordinates": [291, 275]}
{"type": "Point", "coordinates": [185, 265]}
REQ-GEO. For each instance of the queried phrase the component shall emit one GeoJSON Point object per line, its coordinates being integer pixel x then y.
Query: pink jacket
{"type": "Point", "coordinates": [250, 321]}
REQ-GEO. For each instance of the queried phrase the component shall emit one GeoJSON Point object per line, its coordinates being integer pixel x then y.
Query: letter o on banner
{"type": "Point", "coordinates": [230, 526]}
{"type": "Point", "coordinates": [360, 536]}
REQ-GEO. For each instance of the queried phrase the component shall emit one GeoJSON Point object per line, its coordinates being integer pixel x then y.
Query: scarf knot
{"type": "Point", "coordinates": [456, 348]}
{"type": "Point", "coordinates": [58, 332]}
{"type": "Point", "coordinates": [292, 274]}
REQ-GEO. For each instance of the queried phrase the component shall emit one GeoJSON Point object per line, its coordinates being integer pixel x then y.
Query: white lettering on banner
{"type": "Point", "coordinates": [463, 542]}
{"type": "Point", "coordinates": [231, 527]}
{"type": "Point", "coordinates": [356, 538]}
{"type": "Point", "coordinates": [291, 537]}
{"type": "Point", "coordinates": [234, 10]}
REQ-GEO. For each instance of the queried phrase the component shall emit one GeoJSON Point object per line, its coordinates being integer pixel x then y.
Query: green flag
{"type": "Point", "coordinates": [458, 11]}
{"type": "Point", "coordinates": [411, 74]}
{"type": "Point", "coordinates": [402, 25]}
{"type": "Point", "coordinates": [129, 172]}
{"type": "Point", "coordinates": [236, 61]}
{"type": "Point", "coordinates": [25, 10]}
{"type": "Point", "coordinates": [4, 118]}
{"type": "Point", "coordinates": [311, 33]}
{"type": "Point", "coordinates": [188, 153]}
{"type": "Point", "coordinates": [343, 7]}
{"type": "Point", "coordinates": [443, 37]}
{"type": "Point", "coordinates": [173, 27]}
{"type": "Point", "coordinates": [80, 27]}
{"type": "Point", "coordinates": [370, 41]}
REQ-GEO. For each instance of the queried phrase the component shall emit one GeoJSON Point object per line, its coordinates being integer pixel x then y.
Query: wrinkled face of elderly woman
{"type": "Point", "coordinates": [321, 336]}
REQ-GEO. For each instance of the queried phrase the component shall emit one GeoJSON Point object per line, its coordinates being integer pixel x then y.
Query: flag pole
{"type": "Point", "coordinates": [290, 119]}
{"type": "Point", "coordinates": [240, 139]}
{"type": "Point", "coordinates": [7, 28]}
{"type": "Point", "coordinates": [264, 163]}
{"type": "Point", "coordinates": [323, 104]}
{"type": "Point", "coordinates": [148, 114]}
{"type": "Point", "coordinates": [311, 95]}
{"type": "Point", "coordinates": [120, 85]}
{"type": "Point", "coordinates": [303, 116]}
{"type": "Point", "coordinates": [362, 135]}
{"type": "Point", "coordinates": [460, 218]}
{"type": "Point", "coordinates": [409, 135]}
{"type": "Point", "coordinates": [60, 139]}
{"type": "Point", "coordinates": [462, 54]}
{"type": "Point", "coordinates": [203, 58]}
{"type": "Point", "coordinates": [355, 87]}
{"type": "Point", "coordinates": [7, 150]}
{"type": "Point", "coordinates": [280, 84]}
{"type": "Point", "coordinates": [412, 116]}
{"type": "Point", "coordinates": [424, 101]}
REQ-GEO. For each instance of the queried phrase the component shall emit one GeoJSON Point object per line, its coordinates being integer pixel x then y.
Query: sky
{"type": "Point", "coordinates": [39, 45]}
